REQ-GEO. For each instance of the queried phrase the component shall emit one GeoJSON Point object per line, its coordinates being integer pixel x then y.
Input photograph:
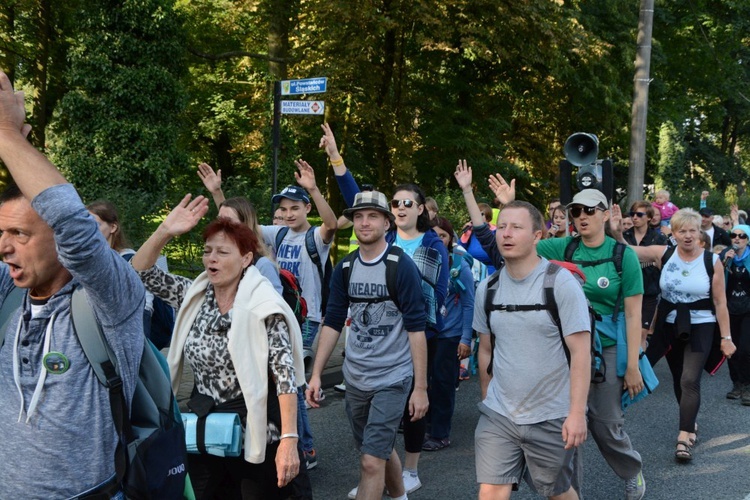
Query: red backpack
{"type": "Point", "coordinates": [292, 293]}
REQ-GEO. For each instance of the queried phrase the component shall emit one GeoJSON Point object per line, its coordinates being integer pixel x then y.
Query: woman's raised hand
{"type": "Point", "coordinates": [185, 215]}
{"type": "Point", "coordinates": [211, 179]}
{"type": "Point", "coordinates": [328, 142]}
{"type": "Point", "coordinates": [463, 175]}
{"type": "Point", "coordinates": [504, 192]}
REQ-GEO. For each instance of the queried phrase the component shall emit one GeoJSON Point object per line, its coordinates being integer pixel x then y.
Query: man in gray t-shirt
{"type": "Point", "coordinates": [533, 411]}
{"type": "Point", "coordinates": [385, 346]}
{"type": "Point", "coordinates": [58, 435]}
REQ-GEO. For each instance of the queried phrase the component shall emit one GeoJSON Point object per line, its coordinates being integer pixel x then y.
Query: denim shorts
{"type": "Point", "coordinates": [375, 415]}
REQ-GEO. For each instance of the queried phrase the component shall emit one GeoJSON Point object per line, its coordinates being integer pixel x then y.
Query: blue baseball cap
{"type": "Point", "coordinates": [295, 193]}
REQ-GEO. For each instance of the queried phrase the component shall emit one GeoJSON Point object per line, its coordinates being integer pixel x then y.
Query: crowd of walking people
{"type": "Point", "coordinates": [564, 315]}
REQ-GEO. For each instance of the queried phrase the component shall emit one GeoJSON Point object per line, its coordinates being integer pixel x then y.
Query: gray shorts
{"type": "Point", "coordinates": [507, 452]}
{"type": "Point", "coordinates": [375, 415]}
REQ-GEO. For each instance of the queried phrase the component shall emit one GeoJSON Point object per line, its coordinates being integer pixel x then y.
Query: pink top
{"type": "Point", "coordinates": [667, 210]}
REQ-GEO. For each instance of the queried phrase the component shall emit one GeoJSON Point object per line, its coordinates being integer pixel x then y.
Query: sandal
{"type": "Point", "coordinates": [435, 444]}
{"type": "Point", "coordinates": [684, 454]}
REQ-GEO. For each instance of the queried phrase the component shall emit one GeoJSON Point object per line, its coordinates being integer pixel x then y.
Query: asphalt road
{"type": "Point", "coordinates": [720, 468]}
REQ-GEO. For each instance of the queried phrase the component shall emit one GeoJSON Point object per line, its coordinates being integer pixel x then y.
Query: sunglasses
{"type": "Point", "coordinates": [741, 236]}
{"type": "Point", "coordinates": [576, 210]}
{"type": "Point", "coordinates": [637, 214]}
{"type": "Point", "coordinates": [407, 203]}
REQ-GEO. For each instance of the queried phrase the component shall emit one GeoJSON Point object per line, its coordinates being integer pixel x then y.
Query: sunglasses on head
{"type": "Point", "coordinates": [576, 210]}
{"type": "Point", "coordinates": [407, 203]}
{"type": "Point", "coordinates": [637, 214]}
{"type": "Point", "coordinates": [741, 236]}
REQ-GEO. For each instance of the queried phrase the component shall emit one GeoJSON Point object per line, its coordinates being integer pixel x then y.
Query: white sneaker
{"type": "Point", "coordinates": [353, 494]}
{"type": "Point", "coordinates": [340, 387]}
{"type": "Point", "coordinates": [411, 482]}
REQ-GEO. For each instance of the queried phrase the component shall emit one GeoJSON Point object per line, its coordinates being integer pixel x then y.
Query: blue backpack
{"type": "Point", "coordinates": [151, 457]}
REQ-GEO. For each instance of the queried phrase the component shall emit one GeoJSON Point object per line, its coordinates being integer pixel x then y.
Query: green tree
{"type": "Point", "coordinates": [117, 130]}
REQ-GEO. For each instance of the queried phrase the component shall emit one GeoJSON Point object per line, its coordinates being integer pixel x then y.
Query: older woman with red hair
{"type": "Point", "coordinates": [244, 347]}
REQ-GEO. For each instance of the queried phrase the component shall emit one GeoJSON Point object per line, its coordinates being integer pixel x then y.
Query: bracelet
{"type": "Point", "coordinates": [726, 338]}
{"type": "Point", "coordinates": [289, 435]}
{"type": "Point", "coordinates": [337, 163]}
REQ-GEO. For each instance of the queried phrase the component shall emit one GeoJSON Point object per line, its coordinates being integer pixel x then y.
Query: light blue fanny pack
{"type": "Point", "coordinates": [223, 434]}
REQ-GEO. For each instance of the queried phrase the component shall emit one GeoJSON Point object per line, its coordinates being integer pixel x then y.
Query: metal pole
{"type": "Point", "coordinates": [636, 172]}
{"type": "Point", "coordinates": [276, 133]}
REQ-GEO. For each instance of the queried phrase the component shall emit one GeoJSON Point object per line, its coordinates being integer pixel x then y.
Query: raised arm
{"type": "Point", "coordinates": [464, 177]}
{"type": "Point", "coordinates": [212, 181]}
{"type": "Point", "coordinates": [180, 220]}
{"type": "Point", "coordinates": [504, 192]}
{"type": "Point", "coordinates": [30, 169]}
{"type": "Point", "coordinates": [305, 176]}
{"type": "Point", "coordinates": [347, 185]}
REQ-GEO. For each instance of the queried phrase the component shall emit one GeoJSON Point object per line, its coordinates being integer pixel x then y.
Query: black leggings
{"type": "Point", "coordinates": [233, 478]}
{"type": "Point", "coordinates": [739, 363]}
{"type": "Point", "coordinates": [414, 431]}
{"type": "Point", "coordinates": [686, 359]}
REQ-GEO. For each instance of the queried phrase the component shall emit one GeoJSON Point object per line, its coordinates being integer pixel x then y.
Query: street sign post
{"type": "Point", "coordinates": [293, 87]}
{"type": "Point", "coordinates": [302, 107]}
{"type": "Point", "coordinates": [304, 86]}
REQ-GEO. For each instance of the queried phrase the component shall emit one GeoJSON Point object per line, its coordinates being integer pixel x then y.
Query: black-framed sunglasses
{"type": "Point", "coordinates": [637, 214]}
{"type": "Point", "coordinates": [575, 211]}
{"type": "Point", "coordinates": [741, 236]}
{"type": "Point", "coordinates": [407, 203]}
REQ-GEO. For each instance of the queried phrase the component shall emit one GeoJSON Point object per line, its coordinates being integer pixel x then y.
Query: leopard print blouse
{"type": "Point", "coordinates": [206, 346]}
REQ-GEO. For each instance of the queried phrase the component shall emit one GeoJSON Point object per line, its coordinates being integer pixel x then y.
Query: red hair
{"type": "Point", "coordinates": [242, 235]}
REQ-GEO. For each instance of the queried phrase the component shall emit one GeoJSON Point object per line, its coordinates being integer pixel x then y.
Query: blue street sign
{"type": "Point", "coordinates": [305, 86]}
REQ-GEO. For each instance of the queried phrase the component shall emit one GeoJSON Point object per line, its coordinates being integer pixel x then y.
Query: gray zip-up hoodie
{"type": "Point", "coordinates": [66, 445]}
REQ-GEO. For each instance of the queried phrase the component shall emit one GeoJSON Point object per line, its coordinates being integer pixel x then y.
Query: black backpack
{"type": "Point", "coordinates": [391, 274]}
{"type": "Point", "coordinates": [161, 322]}
{"type": "Point", "coordinates": [312, 250]}
{"type": "Point", "coordinates": [598, 366]}
{"type": "Point", "coordinates": [616, 258]}
{"type": "Point", "coordinates": [151, 457]}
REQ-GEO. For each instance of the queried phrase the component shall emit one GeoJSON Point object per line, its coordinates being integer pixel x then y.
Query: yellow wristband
{"type": "Point", "coordinates": [337, 163]}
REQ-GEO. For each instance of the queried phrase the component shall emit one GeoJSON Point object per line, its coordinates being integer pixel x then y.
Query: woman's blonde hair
{"type": "Point", "coordinates": [685, 217]}
{"type": "Point", "coordinates": [248, 216]}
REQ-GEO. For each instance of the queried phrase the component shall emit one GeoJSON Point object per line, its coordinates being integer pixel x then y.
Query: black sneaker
{"type": "Point", "coordinates": [736, 392]}
{"type": "Point", "coordinates": [311, 459]}
{"type": "Point", "coordinates": [746, 395]}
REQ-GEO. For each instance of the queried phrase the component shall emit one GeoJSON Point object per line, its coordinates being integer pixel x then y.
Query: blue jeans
{"type": "Point", "coordinates": [303, 423]}
{"type": "Point", "coordinates": [442, 386]}
{"type": "Point", "coordinates": [309, 332]}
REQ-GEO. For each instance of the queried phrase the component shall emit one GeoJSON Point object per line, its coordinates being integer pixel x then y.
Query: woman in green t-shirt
{"type": "Point", "coordinates": [615, 296]}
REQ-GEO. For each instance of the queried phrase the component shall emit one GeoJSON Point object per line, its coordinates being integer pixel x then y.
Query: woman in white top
{"type": "Point", "coordinates": [692, 303]}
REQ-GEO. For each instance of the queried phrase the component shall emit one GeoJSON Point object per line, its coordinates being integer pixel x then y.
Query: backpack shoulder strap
{"type": "Point", "coordinates": [708, 261]}
{"type": "Point", "coordinates": [489, 296]}
{"type": "Point", "coordinates": [12, 302]}
{"type": "Point", "coordinates": [391, 272]}
{"type": "Point", "coordinates": [549, 294]}
{"type": "Point", "coordinates": [104, 363]}
{"type": "Point", "coordinates": [280, 237]}
{"type": "Point", "coordinates": [571, 248]}
{"type": "Point", "coordinates": [346, 268]}
{"type": "Point", "coordinates": [617, 254]}
{"type": "Point", "coordinates": [312, 251]}
{"type": "Point", "coordinates": [92, 340]}
{"type": "Point", "coordinates": [667, 255]}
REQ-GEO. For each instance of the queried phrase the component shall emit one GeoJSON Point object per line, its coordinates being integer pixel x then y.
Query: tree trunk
{"type": "Point", "coordinates": [638, 127]}
{"type": "Point", "coordinates": [39, 73]}
{"type": "Point", "coordinates": [8, 27]}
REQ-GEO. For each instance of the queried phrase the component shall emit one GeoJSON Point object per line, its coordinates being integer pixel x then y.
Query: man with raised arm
{"type": "Point", "coordinates": [58, 436]}
{"type": "Point", "coordinates": [533, 410]}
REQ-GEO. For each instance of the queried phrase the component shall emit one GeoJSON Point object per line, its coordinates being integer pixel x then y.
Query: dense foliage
{"type": "Point", "coordinates": [130, 95]}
